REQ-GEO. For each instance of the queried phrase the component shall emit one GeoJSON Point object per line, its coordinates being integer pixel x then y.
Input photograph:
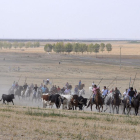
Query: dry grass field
{"type": "Point", "coordinates": [21, 122]}
{"type": "Point", "coordinates": [50, 124]}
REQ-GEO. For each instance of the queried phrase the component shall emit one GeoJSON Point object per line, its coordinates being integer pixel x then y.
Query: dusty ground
{"type": "Point", "coordinates": [37, 65]}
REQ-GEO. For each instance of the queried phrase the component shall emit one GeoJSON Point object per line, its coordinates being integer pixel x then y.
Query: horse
{"type": "Point", "coordinates": [39, 94]}
{"type": "Point", "coordinates": [28, 92]}
{"type": "Point", "coordinates": [99, 101]}
{"type": "Point", "coordinates": [134, 104]}
{"type": "Point", "coordinates": [107, 101]}
{"type": "Point", "coordinates": [18, 91]}
{"type": "Point", "coordinates": [116, 101]}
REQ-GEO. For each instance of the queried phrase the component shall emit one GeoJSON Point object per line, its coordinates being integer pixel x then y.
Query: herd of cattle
{"type": "Point", "coordinates": [73, 101]}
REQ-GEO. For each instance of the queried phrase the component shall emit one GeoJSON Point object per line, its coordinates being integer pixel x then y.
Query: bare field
{"type": "Point", "coordinates": [21, 122]}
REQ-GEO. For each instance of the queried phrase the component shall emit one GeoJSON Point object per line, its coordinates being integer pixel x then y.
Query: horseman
{"type": "Point", "coordinates": [58, 89]}
{"type": "Point", "coordinates": [104, 91]}
{"type": "Point", "coordinates": [80, 83]}
{"type": "Point", "coordinates": [95, 90]}
{"type": "Point", "coordinates": [67, 85]}
{"type": "Point", "coordinates": [41, 85]}
{"type": "Point", "coordinates": [76, 91]}
{"type": "Point", "coordinates": [16, 85]}
{"type": "Point", "coordinates": [13, 85]}
{"type": "Point", "coordinates": [117, 91]}
{"type": "Point", "coordinates": [67, 91]}
{"type": "Point", "coordinates": [44, 89]}
{"type": "Point", "coordinates": [25, 86]}
{"type": "Point", "coordinates": [125, 94]}
{"type": "Point", "coordinates": [47, 82]}
{"type": "Point", "coordinates": [131, 95]}
{"type": "Point", "coordinates": [35, 91]}
{"type": "Point", "coordinates": [93, 84]}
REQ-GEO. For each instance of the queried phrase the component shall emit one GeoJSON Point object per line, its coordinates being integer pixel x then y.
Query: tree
{"type": "Point", "coordinates": [1, 44]}
{"type": "Point", "coordinates": [108, 47]}
{"type": "Point", "coordinates": [96, 48]}
{"type": "Point", "coordinates": [59, 47]}
{"type": "Point", "coordinates": [76, 47]}
{"type": "Point", "coordinates": [68, 47]}
{"type": "Point", "coordinates": [90, 48]}
{"type": "Point", "coordinates": [102, 47]}
{"type": "Point", "coordinates": [15, 45]}
{"type": "Point", "coordinates": [28, 45]}
{"type": "Point", "coordinates": [83, 48]}
{"type": "Point", "coordinates": [48, 48]}
{"type": "Point", "coordinates": [9, 45]}
{"type": "Point", "coordinates": [21, 45]}
{"type": "Point", "coordinates": [36, 44]}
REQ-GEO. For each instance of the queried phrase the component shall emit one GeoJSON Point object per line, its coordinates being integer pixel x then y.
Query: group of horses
{"type": "Point", "coordinates": [111, 100]}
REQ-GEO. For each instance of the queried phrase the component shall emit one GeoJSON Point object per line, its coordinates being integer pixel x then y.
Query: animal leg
{"type": "Point", "coordinates": [12, 102]}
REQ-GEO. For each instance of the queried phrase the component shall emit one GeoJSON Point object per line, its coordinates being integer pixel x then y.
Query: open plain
{"type": "Point", "coordinates": [28, 120]}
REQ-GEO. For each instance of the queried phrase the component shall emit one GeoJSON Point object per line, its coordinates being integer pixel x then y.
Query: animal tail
{"type": "Point", "coordinates": [1, 99]}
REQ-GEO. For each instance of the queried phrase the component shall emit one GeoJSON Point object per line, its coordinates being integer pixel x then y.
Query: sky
{"type": "Point", "coordinates": [70, 19]}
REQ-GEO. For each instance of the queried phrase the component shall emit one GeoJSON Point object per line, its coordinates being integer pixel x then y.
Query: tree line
{"type": "Point", "coordinates": [77, 47]}
{"type": "Point", "coordinates": [9, 45]}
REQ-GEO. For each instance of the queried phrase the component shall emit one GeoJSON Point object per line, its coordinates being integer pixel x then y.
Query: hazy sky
{"type": "Point", "coordinates": [74, 19]}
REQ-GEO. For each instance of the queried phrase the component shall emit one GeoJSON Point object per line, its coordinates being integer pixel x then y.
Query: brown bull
{"type": "Point", "coordinates": [74, 101]}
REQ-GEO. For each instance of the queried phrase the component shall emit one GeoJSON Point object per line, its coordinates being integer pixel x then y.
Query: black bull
{"type": "Point", "coordinates": [8, 98]}
{"type": "Point", "coordinates": [55, 98]}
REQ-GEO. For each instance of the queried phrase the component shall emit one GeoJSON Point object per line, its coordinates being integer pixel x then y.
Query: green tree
{"type": "Point", "coordinates": [76, 47]}
{"type": "Point", "coordinates": [1, 44]}
{"type": "Point", "coordinates": [102, 47]}
{"type": "Point", "coordinates": [83, 48]}
{"type": "Point", "coordinates": [9, 45]}
{"type": "Point", "coordinates": [36, 44]}
{"type": "Point", "coordinates": [108, 47]}
{"type": "Point", "coordinates": [68, 47]}
{"type": "Point", "coordinates": [59, 47]}
{"type": "Point", "coordinates": [96, 48]}
{"type": "Point", "coordinates": [48, 48]}
{"type": "Point", "coordinates": [90, 48]}
{"type": "Point", "coordinates": [15, 45]}
{"type": "Point", "coordinates": [21, 45]}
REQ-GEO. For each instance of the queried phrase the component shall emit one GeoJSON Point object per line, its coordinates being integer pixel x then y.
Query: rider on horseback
{"type": "Point", "coordinates": [35, 90]}
{"type": "Point", "coordinates": [131, 95]}
{"type": "Point", "coordinates": [95, 89]}
{"type": "Point", "coordinates": [44, 89]}
{"type": "Point", "coordinates": [104, 91]}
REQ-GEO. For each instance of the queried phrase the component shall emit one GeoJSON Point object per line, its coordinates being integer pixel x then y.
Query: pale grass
{"type": "Point", "coordinates": [23, 125]}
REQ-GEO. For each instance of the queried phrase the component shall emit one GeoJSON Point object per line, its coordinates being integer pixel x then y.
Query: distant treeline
{"type": "Point", "coordinates": [77, 47]}
{"type": "Point", "coordinates": [9, 45]}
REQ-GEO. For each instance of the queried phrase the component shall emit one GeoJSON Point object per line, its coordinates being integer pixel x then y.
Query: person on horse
{"type": "Point", "coordinates": [58, 89]}
{"type": "Point", "coordinates": [44, 89]}
{"type": "Point", "coordinates": [47, 82]}
{"type": "Point", "coordinates": [13, 85]}
{"type": "Point", "coordinates": [95, 89]}
{"type": "Point", "coordinates": [76, 90]}
{"type": "Point", "coordinates": [35, 90]}
{"type": "Point", "coordinates": [16, 85]}
{"type": "Point", "coordinates": [67, 91]}
{"type": "Point", "coordinates": [93, 84]}
{"type": "Point", "coordinates": [104, 91]}
{"type": "Point", "coordinates": [41, 85]}
{"type": "Point", "coordinates": [80, 83]}
{"type": "Point", "coordinates": [131, 95]}
{"type": "Point", "coordinates": [67, 85]}
{"type": "Point", "coordinates": [25, 86]}
{"type": "Point", "coordinates": [125, 94]}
